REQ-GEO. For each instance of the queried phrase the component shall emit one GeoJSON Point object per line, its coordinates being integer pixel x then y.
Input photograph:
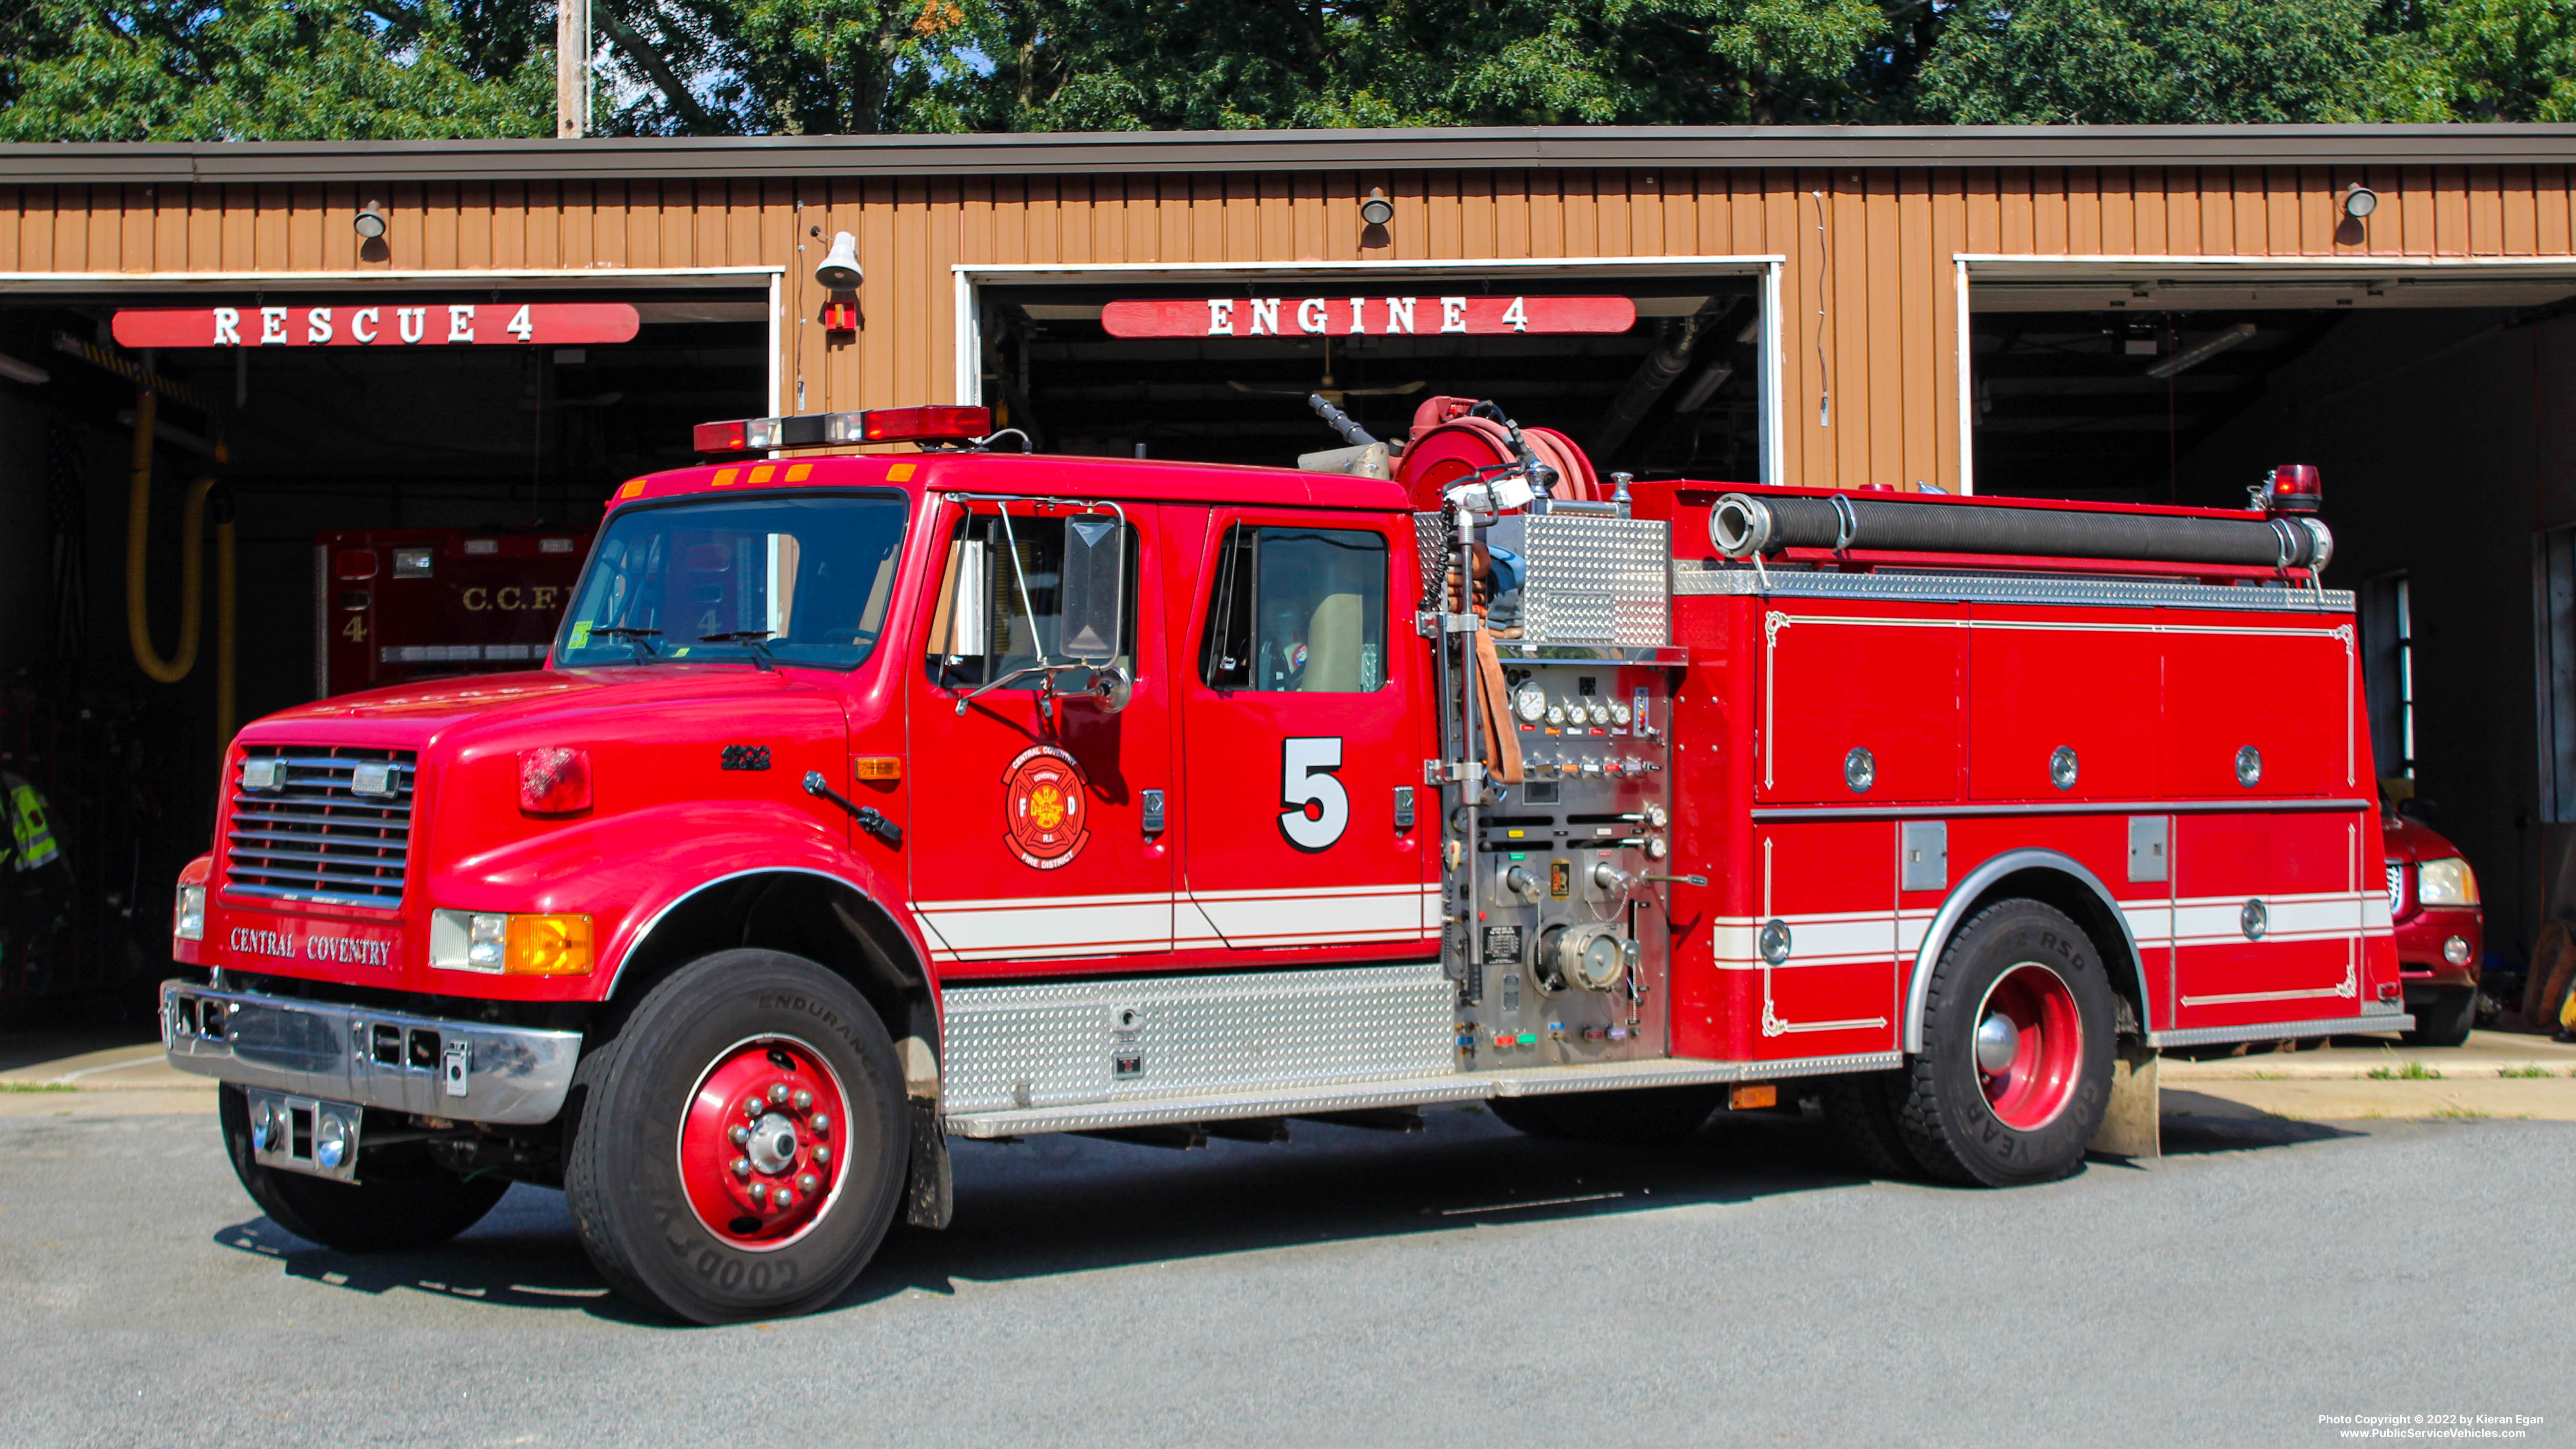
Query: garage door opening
{"type": "Point", "coordinates": [402, 510]}
{"type": "Point", "coordinates": [1677, 391]}
{"type": "Point", "coordinates": [2438, 402]}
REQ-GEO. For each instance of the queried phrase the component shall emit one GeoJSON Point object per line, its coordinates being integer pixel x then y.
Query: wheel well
{"type": "Point", "coordinates": [824, 920]}
{"type": "Point", "coordinates": [2083, 905]}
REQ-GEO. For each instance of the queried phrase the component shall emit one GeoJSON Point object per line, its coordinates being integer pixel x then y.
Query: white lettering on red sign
{"type": "Point", "coordinates": [540, 323]}
{"type": "Point", "coordinates": [1364, 316]}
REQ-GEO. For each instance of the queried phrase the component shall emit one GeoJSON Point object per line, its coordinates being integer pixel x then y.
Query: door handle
{"type": "Point", "coordinates": [1153, 812]}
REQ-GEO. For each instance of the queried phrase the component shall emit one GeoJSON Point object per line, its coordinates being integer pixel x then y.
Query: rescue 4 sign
{"type": "Point", "coordinates": [1364, 316]}
{"type": "Point", "coordinates": [370, 324]}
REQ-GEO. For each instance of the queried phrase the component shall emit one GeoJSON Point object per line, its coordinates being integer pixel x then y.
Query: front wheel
{"type": "Point", "coordinates": [2015, 1071]}
{"type": "Point", "coordinates": [402, 1199]}
{"type": "Point", "coordinates": [741, 1146]}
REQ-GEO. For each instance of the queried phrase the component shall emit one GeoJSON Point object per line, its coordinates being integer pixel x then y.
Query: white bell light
{"type": "Point", "coordinates": [840, 269]}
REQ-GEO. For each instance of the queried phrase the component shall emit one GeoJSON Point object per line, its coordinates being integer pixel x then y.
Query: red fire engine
{"type": "Point", "coordinates": [872, 799]}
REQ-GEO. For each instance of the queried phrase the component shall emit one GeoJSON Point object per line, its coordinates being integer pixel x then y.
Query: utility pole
{"type": "Point", "coordinates": [572, 68]}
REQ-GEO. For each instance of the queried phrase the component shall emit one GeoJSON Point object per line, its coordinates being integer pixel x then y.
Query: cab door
{"type": "Point", "coordinates": [1038, 831]}
{"type": "Point", "coordinates": [1302, 776]}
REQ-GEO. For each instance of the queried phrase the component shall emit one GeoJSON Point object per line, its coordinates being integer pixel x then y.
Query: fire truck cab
{"type": "Point", "coordinates": [868, 800]}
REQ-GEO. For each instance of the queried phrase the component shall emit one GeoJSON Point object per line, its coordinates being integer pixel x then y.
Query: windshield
{"type": "Point", "coordinates": [806, 579]}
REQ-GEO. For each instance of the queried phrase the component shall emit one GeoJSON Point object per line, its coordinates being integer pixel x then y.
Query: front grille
{"type": "Point", "coordinates": [2396, 888]}
{"type": "Point", "coordinates": [312, 836]}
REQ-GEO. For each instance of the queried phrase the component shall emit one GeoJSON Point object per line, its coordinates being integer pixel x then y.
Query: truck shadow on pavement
{"type": "Point", "coordinates": [1054, 1205]}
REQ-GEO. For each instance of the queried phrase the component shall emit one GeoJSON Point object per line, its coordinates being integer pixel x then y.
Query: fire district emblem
{"type": "Point", "coordinates": [1043, 815]}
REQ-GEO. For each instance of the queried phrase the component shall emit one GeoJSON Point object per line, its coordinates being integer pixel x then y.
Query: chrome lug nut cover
{"type": "Point", "coordinates": [1998, 1042]}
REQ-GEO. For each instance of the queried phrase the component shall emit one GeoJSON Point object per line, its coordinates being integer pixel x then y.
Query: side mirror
{"type": "Point", "coordinates": [970, 600]}
{"type": "Point", "coordinates": [1095, 562]}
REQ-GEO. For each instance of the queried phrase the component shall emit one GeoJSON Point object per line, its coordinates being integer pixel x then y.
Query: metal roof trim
{"type": "Point", "coordinates": [1408, 150]}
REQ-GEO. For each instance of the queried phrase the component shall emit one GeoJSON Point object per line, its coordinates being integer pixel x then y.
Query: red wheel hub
{"type": "Point", "coordinates": [760, 1148]}
{"type": "Point", "coordinates": [2029, 1046]}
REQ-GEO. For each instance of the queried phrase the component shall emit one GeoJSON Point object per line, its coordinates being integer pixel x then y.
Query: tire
{"type": "Point", "coordinates": [1643, 1117]}
{"type": "Point", "coordinates": [1861, 1110]}
{"type": "Point", "coordinates": [401, 1201]}
{"type": "Point", "coordinates": [661, 1194]}
{"type": "Point", "coordinates": [2447, 1023]}
{"type": "Point", "coordinates": [2030, 1120]}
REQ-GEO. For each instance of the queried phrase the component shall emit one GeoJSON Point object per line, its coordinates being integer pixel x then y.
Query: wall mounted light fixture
{"type": "Point", "coordinates": [369, 223]}
{"type": "Point", "coordinates": [2359, 201]}
{"type": "Point", "coordinates": [1375, 209]}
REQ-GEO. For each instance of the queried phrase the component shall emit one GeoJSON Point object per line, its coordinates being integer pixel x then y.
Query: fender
{"type": "Point", "coordinates": [631, 869]}
{"type": "Point", "coordinates": [883, 900]}
{"type": "Point", "coordinates": [1954, 911]}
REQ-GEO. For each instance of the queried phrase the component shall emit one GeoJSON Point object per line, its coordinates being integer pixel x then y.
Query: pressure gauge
{"type": "Point", "coordinates": [1618, 712]}
{"type": "Point", "coordinates": [1556, 714]}
{"type": "Point", "coordinates": [1530, 703]}
{"type": "Point", "coordinates": [1655, 847]}
{"type": "Point", "coordinates": [1600, 713]}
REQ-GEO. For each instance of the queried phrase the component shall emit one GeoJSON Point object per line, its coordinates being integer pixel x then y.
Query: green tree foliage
{"type": "Point", "coordinates": [2153, 62]}
{"type": "Point", "coordinates": [78, 70]}
{"type": "Point", "coordinates": [173, 69]}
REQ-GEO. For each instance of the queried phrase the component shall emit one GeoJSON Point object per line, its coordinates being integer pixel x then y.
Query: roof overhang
{"type": "Point", "coordinates": [1445, 149]}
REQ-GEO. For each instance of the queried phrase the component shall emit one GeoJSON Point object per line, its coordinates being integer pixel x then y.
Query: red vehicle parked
{"type": "Point", "coordinates": [2441, 930]}
{"type": "Point", "coordinates": [870, 800]}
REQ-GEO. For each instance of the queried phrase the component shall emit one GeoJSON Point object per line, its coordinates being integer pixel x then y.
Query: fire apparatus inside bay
{"type": "Point", "coordinates": [868, 800]}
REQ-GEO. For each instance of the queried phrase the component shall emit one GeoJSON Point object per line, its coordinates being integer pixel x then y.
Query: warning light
{"type": "Point", "coordinates": [944, 423]}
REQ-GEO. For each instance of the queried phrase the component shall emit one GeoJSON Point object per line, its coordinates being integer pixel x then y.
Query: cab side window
{"type": "Point", "coordinates": [1019, 624]}
{"type": "Point", "coordinates": [1297, 610]}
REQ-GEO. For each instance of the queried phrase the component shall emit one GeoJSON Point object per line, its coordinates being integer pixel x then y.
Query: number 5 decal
{"type": "Point", "coordinates": [1319, 811]}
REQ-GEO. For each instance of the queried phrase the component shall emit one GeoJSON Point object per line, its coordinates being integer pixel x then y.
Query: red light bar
{"type": "Point", "coordinates": [925, 424]}
{"type": "Point", "coordinates": [939, 424]}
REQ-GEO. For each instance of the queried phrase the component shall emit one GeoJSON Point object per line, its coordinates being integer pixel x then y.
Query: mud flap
{"type": "Point", "coordinates": [929, 1193]}
{"type": "Point", "coordinates": [2131, 1128]}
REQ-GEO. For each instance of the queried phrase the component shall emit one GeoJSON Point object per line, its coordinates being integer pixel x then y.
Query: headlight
{"type": "Point", "coordinates": [188, 922]}
{"type": "Point", "coordinates": [2447, 882]}
{"type": "Point", "coordinates": [514, 945]}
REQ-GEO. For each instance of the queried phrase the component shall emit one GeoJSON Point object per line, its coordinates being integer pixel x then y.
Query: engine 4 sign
{"type": "Point", "coordinates": [1365, 316]}
{"type": "Point", "coordinates": [390, 324]}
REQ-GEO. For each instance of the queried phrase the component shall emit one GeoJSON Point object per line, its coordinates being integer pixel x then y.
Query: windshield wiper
{"type": "Point", "coordinates": [756, 640]}
{"type": "Point", "coordinates": [636, 639]}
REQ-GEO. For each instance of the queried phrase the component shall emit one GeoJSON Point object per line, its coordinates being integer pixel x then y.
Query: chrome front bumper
{"type": "Point", "coordinates": [436, 1067]}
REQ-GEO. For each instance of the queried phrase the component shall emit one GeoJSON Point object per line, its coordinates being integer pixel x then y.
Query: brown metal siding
{"type": "Point", "coordinates": [1868, 300]}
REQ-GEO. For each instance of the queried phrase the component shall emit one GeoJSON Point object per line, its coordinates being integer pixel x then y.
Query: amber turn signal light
{"type": "Point", "coordinates": [876, 767]}
{"type": "Point", "coordinates": [547, 946]}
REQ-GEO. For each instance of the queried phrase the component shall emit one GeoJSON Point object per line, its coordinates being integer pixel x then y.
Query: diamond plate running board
{"type": "Point", "coordinates": [1404, 1092]}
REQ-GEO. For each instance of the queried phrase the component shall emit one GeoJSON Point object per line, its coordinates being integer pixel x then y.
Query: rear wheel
{"type": "Point", "coordinates": [401, 1200]}
{"type": "Point", "coordinates": [2447, 1021]}
{"type": "Point", "coordinates": [2015, 1071]}
{"type": "Point", "coordinates": [741, 1145]}
{"type": "Point", "coordinates": [1647, 1116]}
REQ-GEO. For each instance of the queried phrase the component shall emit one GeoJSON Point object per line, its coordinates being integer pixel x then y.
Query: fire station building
{"type": "Point", "coordinates": [371, 365]}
